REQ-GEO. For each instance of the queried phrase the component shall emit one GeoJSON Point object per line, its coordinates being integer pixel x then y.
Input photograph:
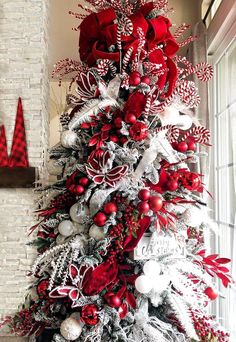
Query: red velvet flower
{"type": "Point", "coordinates": [89, 314]}
{"type": "Point", "coordinates": [135, 104]}
{"type": "Point", "coordinates": [138, 131]}
{"type": "Point", "coordinates": [191, 181]}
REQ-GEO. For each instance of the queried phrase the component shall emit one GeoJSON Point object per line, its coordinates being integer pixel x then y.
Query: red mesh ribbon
{"type": "Point", "coordinates": [4, 162]}
{"type": "Point", "coordinates": [19, 156]}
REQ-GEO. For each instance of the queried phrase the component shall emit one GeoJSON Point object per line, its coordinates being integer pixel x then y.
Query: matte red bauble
{"type": "Point", "coordinates": [118, 122]}
{"type": "Point", "coordinates": [143, 207]}
{"type": "Point", "coordinates": [172, 185]}
{"type": "Point", "coordinates": [100, 219]}
{"type": "Point", "coordinates": [144, 194]}
{"type": "Point", "coordinates": [113, 300]}
{"type": "Point", "coordinates": [110, 208]}
{"type": "Point", "coordinates": [211, 293]}
{"type": "Point", "coordinates": [146, 80]}
{"type": "Point", "coordinates": [84, 181]}
{"type": "Point", "coordinates": [155, 203]}
{"type": "Point", "coordinates": [130, 118]}
{"type": "Point", "coordinates": [114, 138]}
{"type": "Point", "coordinates": [182, 146]}
{"type": "Point", "coordinates": [135, 78]}
{"type": "Point", "coordinates": [191, 146]}
{"type": "Point", "coordinates": [79, 189]}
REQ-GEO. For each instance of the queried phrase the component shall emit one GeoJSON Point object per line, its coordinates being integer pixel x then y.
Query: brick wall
{"type": "Point", "coordinates": [23, 72]}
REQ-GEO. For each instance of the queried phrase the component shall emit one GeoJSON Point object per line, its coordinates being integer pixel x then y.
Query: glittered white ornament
{"type": "Point", "coordinates": [68, 139]}
{"type": "Point", "coordinates": [71, 329]}
{"type": "Point", "coordinates": [193, 217]}
{"type": "Point", "coordinates": [66, 228]}
{"type": "Point", "coordinates": [53, 168]}
{"type": "Point", "coordinates": [97, 233]}
{"type": "Point", "coordinates": [161, 283]}
{"type": "Point", "coordinates": [143, 284]}
{"type": "Point", "coordinates": [78, 212]}
{"type": "Point", "coordinates": [152, 269]}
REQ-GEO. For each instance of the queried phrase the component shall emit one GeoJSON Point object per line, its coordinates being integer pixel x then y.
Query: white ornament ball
{"type": "Point", "coordinates": [78, 212]}
{"type": "Point", "coordinates": [97, 233]}
{"type": "Point", "coordinates": [71, 329]}
{"type": "Point", "coordinates": [78, 228]}
{"type": "Point", "coordinates": [161, 283]}
{"type": "Point", "coordinates": [152, 269]}
{"type": "Point", "coordinates": [143, 284]}
{"type": "Point", "coordinates": [53, 168]}
{"type": "Point", "coordinates": [66, 228]}
{"type": "Point", "coordinates": [68, 139]}
{"type": "Point", "coordinates": [60, 239]}
{"type": "Point", "coordinates": [193, 217]}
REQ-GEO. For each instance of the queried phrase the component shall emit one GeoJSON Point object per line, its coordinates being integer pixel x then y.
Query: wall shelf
{"type": "Point", "coordinates": [17, 177]}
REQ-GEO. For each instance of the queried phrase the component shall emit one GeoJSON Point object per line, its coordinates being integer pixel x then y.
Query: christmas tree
{"type": "Point", "coordinates": [120, 238]}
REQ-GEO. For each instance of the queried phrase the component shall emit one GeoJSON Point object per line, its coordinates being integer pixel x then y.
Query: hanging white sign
{"type": "Point", "coordinates": [149, 247]}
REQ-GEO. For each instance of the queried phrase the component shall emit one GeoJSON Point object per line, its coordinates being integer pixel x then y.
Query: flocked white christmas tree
{"type": "Point", "coordinates": [121, 238]}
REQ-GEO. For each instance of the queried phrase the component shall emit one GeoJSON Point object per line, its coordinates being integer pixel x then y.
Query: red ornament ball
{"type": "Point", "coordinates": [144, 194]}
{"type": "Point", "coordinates": [118, 122]}
{"type": "Point", "coordinates": [146, 80]}
{"type": "Point", "coordinates": [114, 138]}
{"type": "Point", "coordinates": [211, 293]}
{"type": "Point", "coordinates": [79, 189]}
{"type": "Point", "coordinates": [155, 203]}
{"type": "Point", "coordinates": [172, 185]}
{"type": "Point", "coordinates": [100, 219]}
{"type": "Point", "coordinates": [123, 140]}
{"type": "Point", "coordinates": [113, 300]}
{"type": "Point", "coordinates": [192, 146]}
{"type": "Point", "coordinates": [89, 314]}
{"type": "Point", "coordinates": [182, 147]}
{"type": "Point", "coordinates": [135, 78]}
{"type": "Point", "coordinates": [42, 288]}
{"type": "Point", "coordinates": [84, 181]}
{"type": "Point", "coordinates": [130, 118]}
{"type": "Point", "coordinates": [110, 208]}
{"type": "Point", "coordinates": [143, 207]}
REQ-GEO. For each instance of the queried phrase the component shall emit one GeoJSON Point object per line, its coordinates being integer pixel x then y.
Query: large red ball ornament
{"type": "Point", "coordinates": [155, 203]}
{"type": "Point", "coordinates": [113, 300]}
{"type": "Point", "coordinates": [182, 147]}
{"type": "Point", "coordinates": [172, 185]}
{"type": "Point", "coordinates": [143, 207]}
{"type": "Point", "coordinates": [144, 194]}
{"type": "Point", "coordinates": [135, 78]}
{"type": "Point", "coordinates": [84, 181]}
{"type": "Point", "coordinates": [192, 146]}
{"type": "Point", "coordinates": [110, 208]}
{"type": "Point", "coordinates": [100, 219]}
{"type": "Point", "coordinates": [130, 118]}
{"type": "Point", "coordinates": [79, 189]}
{"type": "Point", "coordinates": [211, 293]}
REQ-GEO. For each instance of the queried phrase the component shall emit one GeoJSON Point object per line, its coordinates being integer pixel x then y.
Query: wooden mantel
{"type": "Point", "coordinates": [17, 177]}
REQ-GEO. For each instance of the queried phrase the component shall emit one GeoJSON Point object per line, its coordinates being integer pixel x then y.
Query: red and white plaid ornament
{"type": "Point", "coordinates": [19, 155]}
{"type": "Point", "coordinates": [4, 161]}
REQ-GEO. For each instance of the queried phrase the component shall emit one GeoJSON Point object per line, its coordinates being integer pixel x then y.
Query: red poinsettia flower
{"type": "Point", "coordinates": [101, 171]}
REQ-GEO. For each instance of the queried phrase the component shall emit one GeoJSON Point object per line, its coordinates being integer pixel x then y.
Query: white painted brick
{"type": "Point", "coordinates": [23, 72]}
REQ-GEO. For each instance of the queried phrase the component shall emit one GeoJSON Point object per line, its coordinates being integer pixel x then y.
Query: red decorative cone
{"type": "Point", "coordinates": [4, 161]}
{"type": "Point", "coordinates": [19, 155]}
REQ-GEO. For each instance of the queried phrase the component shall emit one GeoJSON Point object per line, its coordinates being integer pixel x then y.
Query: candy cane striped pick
{"type": "Point", "coordinates": [172, 132]}
{"type": "Point", "coordinates": [199, 133]}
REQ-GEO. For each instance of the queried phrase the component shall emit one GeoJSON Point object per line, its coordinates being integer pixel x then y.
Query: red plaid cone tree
{"type": "Point", "coordinates": [4, 161]}
{"type": "Point", "coordinates": [19, 155]}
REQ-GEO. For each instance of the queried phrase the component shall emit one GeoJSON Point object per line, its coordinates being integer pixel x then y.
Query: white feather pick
{"type": "Point", "coordinates": [91, 108]}
{"type": "Point", "coordinates": [183, 315]}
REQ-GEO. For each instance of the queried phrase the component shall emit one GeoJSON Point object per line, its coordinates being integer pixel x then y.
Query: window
{"type": "Point", "coordinates": [222, 49]}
